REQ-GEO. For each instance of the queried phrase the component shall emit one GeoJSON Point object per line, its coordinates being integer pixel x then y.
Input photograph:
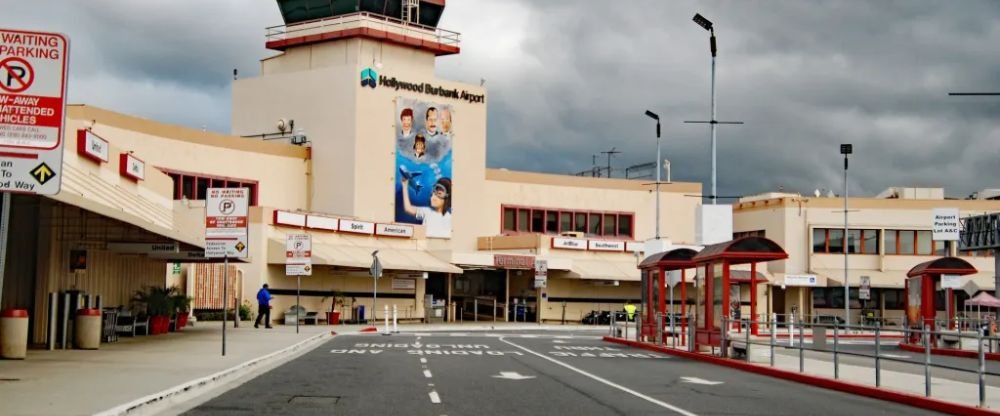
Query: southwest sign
{"type": "Point", "coordinates": [33, 72]}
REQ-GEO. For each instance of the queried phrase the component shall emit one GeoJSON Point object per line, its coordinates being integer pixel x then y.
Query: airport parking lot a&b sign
{"type": "Point", "coordinates": [226, 223]}
{"type": "Point", "coordinates": [33, 71]}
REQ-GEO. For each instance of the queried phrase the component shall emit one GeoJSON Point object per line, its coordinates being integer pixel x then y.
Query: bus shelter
{"type": "Point", "coordinates": [714, 282]}
{"type": "Point", "coordinates": [655, 270]}
{"type": "Point", "coordinates": [920, 288]}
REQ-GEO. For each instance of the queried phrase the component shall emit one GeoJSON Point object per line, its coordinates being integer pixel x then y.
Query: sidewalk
{"type": "Point", "coordinates": [946, 390]}
{"type": "Point", "coordinates": [78, 382]}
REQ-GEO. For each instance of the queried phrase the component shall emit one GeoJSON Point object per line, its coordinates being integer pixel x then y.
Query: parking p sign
{"type": "Point", "coordinates": [33, 70]}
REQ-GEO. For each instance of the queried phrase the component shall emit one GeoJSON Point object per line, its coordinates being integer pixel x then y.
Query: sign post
{"type": "Point", "coordinates": [33, 74]}
{"type": "Point", "coordinates": [541, 273]}
{"type": "Point", "coordinates": [226, 234]}
{"type": "Point", "coordinates": [298, 263]}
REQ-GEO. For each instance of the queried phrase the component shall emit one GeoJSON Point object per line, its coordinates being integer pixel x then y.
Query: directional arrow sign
{"type": "Point", "coordinates": [512, 375]}
{"type": "Point", "coordinates": [696, 380]}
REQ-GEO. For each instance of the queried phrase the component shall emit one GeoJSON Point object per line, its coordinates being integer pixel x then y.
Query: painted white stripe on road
{"type": "Point", "coordinates": [434, 397]}
{"type": "Point", "coordinates": [606, 382]}
{"type": "Point", "coordinates": [427, 373]}
{"type": "Point", "coordinates": [423, 361]}
{"type": "Point", "coordinates": [895, 356]}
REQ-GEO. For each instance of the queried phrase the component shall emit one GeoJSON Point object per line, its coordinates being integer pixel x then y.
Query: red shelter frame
{"type": "Point", "coordinates": [744, 250]}
{"type": "Point", "coordinates": [660, 263]}
{"type": "Point", "coordinates": [928, 273]}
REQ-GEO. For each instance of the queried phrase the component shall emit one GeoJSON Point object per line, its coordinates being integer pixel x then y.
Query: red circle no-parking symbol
{"type": "Point", "coordinates": [16, 75]}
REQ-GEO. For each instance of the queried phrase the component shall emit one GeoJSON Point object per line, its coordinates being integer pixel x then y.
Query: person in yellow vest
{"type": "Point", "coordinates": [629, 310]}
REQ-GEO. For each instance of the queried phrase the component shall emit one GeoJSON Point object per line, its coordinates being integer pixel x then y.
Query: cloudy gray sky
{"type": "Point", "coordinates": [568, 79]}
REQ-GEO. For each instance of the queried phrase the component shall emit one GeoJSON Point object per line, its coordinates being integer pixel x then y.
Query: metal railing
{"type": "Point", "coordinates": [362, 19]}
{"type": "Point", "coordinates": [924, 337]}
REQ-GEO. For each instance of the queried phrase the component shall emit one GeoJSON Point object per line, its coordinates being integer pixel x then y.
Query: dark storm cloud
{"type": "Point", "coordinates": [805, 76]}
{"type": "Point", "coordinates": [568, 79]}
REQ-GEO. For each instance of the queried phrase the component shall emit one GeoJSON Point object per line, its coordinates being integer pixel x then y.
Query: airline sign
{"type": "Point", "coordinates": [92, 146]}
{"type": "Point", "coordinates": [33, 68]}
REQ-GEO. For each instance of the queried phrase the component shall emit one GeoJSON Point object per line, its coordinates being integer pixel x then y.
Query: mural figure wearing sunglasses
{"type": "Point", "coordinates": [437, 217]}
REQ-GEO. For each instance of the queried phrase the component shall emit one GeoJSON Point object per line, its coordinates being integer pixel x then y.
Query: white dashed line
{"type": "Point", "coordinates": [606, 382]}
{"type": "Point", "coordinates": [423, 361]}
{"type": "Point", "coordinates": [434, 397]}
{"type": "Point", "coordinates": [427, 373]}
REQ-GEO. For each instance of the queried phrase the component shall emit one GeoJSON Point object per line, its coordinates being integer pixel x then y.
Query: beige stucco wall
{"type": "Point", "coordinates": [279, 168]}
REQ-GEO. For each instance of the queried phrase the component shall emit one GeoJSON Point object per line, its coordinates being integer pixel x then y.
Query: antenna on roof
{"type": "Point", "coordinates": [610, 153]}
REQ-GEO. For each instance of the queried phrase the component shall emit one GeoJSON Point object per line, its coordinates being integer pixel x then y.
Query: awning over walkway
{"type": "Point", "coordinates": [893, 279]}
{"type": "Point", "coordinates": [361, 257]}
{"type": "Point", "coordinates": [89, 192]}
{"type": "Point", "coordinates": [604, 270]}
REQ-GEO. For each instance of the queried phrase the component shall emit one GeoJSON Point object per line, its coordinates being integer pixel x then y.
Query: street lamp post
{"type": "Point", "coordinates": [656, 117]}
{"type": "Point", "coordinates": [846, 149]}
{"type": "Point", "coordinates": [705, 23]}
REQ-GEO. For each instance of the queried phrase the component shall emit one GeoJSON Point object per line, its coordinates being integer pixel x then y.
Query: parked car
{"type": "Point", "coordinates": [830, 320]}
{"type": "Point", "coordinates": [602, 317]}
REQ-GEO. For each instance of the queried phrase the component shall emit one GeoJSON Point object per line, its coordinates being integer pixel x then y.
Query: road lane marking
{"type": "Point", "coordinates": [513, 375]}
{"type": "Point", "coordinates": [423, 361]}
{"type": "Point", "coordinates": [434, 397]}
{"type": "Point", "coordinates": [696, 380]}
{"type": "Point", "coordinates": [606, 382]}
{"type": "Point", "coordinates": [427, 373]}
{"type": "Point", "coordinates": [558, 341]}
{"type": "Point", "coordinates": [895, 356]}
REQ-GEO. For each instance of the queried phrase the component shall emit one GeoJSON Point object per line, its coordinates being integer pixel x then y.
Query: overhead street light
{"type": "Point", "coordinates": [705, 23]}
{"type": "Point", "coordinates": [656, 117]}
{"type": "Point", "coordinates": [846, 149]}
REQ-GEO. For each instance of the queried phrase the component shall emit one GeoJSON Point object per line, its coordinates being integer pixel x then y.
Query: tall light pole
{"type": "Point", "coordinates": [705, 23]}
{"type": "Point", "coordinates": [656, 117]}
{"type": "Point", "coordinates": [846, 149]}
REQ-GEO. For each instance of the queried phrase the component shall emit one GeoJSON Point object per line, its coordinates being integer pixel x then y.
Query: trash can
{"type": "Point", "coordinates": [359, 314]}
{"type": "Point", "coordinates": [333, 318]}
{"type": "Point", "coordinates": [13, 334]}
{"type": "Point", "coordinates": [87, 334]}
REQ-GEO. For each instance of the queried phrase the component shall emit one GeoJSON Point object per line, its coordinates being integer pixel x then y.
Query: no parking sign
{"type": "Point", "coordinates": [33, 71]}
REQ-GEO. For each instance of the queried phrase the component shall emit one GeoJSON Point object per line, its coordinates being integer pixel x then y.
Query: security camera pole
{"type": "Point", "coordinates": [705, 23]}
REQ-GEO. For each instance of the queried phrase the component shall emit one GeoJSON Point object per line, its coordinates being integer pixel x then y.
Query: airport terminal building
{"type": "Point", "coordinates": [347, 135]}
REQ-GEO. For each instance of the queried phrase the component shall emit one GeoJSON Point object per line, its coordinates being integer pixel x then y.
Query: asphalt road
{"type": "Point", "coordinates": [533, 373]}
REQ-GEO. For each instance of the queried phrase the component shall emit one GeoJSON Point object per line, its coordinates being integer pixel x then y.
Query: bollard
{"type": "Point", "coordinates": [659, 329]}
{"type": "Point", "coordinates": [475, 310]}
{"type": "Point", "coordinates": [611, 326]}
{"type": "Point", "coordinates": [691, 341]}
{"type": "Point", "coordinates": [836, 361]}
{"type": "Point", "coordinates": [927, 360]}
{"type": "Point", "coordinates": [386, 318]}
{"type": "Point", "coordinates": [802, 348]}
{"type": "Point", "coordinates": [395, 329]}
{"type": "Point", "coordinates": [878, 355]}
{"type": "Point", "coordinates": [747, 332]}
{"type": "Point", "coordinates": [774, 330]}
{"type": "Point", "coordinates": [982, 369]}
{"type": "Point", "coordinates": [638, 328]}
{"type": "Point", "coordinates": [722, 338]}
{"type": "Point", "coordinates": [791, 330]}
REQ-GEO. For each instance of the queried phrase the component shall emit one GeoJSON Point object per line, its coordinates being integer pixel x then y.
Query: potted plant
{"type": "Point", "coordinates": [182, 307]}
{"type": "Point", "coordinates": [157, 304]}
{"type": "Point", "coordinates": [333, 317]}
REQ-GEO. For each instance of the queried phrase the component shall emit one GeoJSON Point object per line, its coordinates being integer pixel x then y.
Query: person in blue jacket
{"type": "Point", "coordinates": [264, 310]}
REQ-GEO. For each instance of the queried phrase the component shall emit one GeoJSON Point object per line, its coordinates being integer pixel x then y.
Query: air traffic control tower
{"type": "Point", "coordinates": [346, 71]}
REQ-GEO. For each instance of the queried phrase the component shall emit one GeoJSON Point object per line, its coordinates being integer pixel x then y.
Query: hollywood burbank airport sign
{"type": "Point", "coordinates": [369, 75]}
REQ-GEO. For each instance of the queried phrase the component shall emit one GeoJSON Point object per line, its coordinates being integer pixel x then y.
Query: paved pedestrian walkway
{"type": "Point", "coordinates": [79, 382]}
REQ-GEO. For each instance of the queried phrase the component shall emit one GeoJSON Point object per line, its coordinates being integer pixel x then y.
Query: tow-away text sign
{"type": "Point", "coordinates": [33, 72]}
{"type": "Point", "coordinates": [226, 222]}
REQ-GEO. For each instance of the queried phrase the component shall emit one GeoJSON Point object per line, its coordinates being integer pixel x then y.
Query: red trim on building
{"type": "Point", "coordinates": [14, 313]}
{"type": "Point", "coordinates": [439, 49]}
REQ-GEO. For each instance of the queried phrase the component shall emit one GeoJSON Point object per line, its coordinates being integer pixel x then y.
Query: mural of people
{"type": "Point", "coordinates": [423, 165]}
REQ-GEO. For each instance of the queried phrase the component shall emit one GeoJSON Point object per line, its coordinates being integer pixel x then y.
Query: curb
{"type": "Point", "coordinates": [137, 404]}
{"type": "Point", "coordinates": [992, 356]}
{"type": "Point", "coordinates": [920, 402]}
